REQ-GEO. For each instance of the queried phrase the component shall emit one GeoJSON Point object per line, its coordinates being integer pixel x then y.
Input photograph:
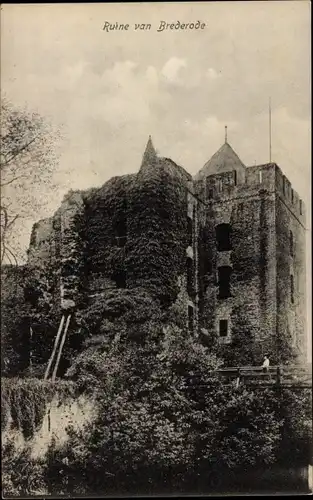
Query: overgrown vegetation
{"type": "Point", "coordinates": [24, 402]}
{"type": "Point", "coordinates": [14, 321]}
{"type": "Point", "coordinates": [156, 247]}
{"type": "Point", "coordinates": [21, 473]}
{"type": "Point", "coordinates": [165, 422]}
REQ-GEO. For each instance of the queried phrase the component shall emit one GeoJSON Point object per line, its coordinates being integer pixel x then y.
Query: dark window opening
{"type": "Point", "coordinates": [190, 318]}
{"type": "Point", "coordinates": [223, 328]}
{"type": "Point", "coordinates": [189, 231]}
{"type": "Point", "coordinates": [120, 279]}
{"type": "Point", "coordinates": [210, 193]}
{"type": "Point", "coordinates": [235, 177]}
{"type": "Point", "coordinates": [292, 290]}
{"type": "Point", "coordinates": [300, 207]}
{"type": "Point", "coordinates": [194, 212]}
{"type": "Point", "coordinates": [292, 196]}
{"type": "Point", "coordinates": [291, 243]}
{"type": "Point", "coordinates": [223, 237]}
{"type": "Point", "coordinates": [189, 263]}
{"type": "Point", "coordinates": [224, 274]}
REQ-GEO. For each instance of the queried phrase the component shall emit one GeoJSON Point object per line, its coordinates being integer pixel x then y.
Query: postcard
{"type": "Point", "coordinates": [155, 249]}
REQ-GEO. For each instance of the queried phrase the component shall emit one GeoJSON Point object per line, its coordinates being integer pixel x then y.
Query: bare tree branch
{"type": "Point", "coordinates": [12, 254]}
{"type": "Point", "coordinates": [27, 164]}
{"type": "Point", "coordinates": [14, 155]}
{"type": "Point", "coordinates": [12, 180]}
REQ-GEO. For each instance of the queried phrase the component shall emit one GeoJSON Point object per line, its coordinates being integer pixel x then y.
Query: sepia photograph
{"type": "Point", "coordinates": [156, 329]}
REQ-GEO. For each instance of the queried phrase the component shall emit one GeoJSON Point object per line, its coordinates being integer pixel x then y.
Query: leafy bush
{"type": "Point", "coordinates": [164, 419]}
{"type": "Point", "coordinates": [22, 475]}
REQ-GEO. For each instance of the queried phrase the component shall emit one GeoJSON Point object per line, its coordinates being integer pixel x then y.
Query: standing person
{"type": "Point", "coordinates": [266, 365]}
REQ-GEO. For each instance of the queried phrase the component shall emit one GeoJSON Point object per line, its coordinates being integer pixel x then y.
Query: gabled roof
{"type": "Point", "coordinates": [224, 160]}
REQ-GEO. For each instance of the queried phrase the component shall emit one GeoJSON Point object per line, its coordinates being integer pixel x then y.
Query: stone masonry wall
{"type": "Point", "coordinates": [250, 211]}
{"type": "Point", "coordinates": [291, 307]}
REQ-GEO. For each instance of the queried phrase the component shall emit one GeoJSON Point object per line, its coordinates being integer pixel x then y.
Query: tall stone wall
{"type": "Point", "coordinates": [291, 281]}
{"type": "Point", "coordinates": [250, 212]}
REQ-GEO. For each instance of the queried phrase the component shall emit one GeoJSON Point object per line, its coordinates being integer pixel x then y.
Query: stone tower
{"type": "Point", "coordinates": [251, 262]}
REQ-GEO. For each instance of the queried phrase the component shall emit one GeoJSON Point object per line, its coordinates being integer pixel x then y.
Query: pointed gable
{"type": "Point", "coordinates": [224, 160]}
{"type": "Point", "coordinates": [150, 153]}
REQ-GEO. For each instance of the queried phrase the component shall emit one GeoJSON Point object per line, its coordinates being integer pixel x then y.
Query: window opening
{"type": "Point", "coordinates": [223, 329]}
{"type": "Point", "coordinates": [190, 318]}
{"type": "Point", "coordinates": [224, 274]}
{"type": "Point", "coordinates": [223, 237]}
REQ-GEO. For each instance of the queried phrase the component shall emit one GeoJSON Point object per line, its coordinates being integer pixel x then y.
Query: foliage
{"type": "Point", "coordinates": [22, 475]}
{"type": "Point", "coordinates": [106, 211]}
{"type": "Point", "coordinates": [24, 402]}
{"type": "Point", "coordinates": [157, 230]}
{"type": "Point", "coordinates": [164, 418]}
{"type": "Point", "coordinates": [14, 321]}
{"type": "Point", "coordinates": [243, 346]}
{"type": "Point", "coordinates": [27, 162]}
{"type": "Point", "coordinates": [137, 226]}
{"type": "Point", "coordinates": [295, 408]}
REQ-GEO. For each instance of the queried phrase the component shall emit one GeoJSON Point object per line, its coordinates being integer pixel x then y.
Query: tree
{"type": "Point", "coordinates": [14, 325]}
{"type": "Point", "coordinates": [165, 420]}
{"type": "Point", "coordinates": [27, 162]}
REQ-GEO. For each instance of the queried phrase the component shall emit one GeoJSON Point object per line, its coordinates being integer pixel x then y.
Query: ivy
{"type": "Point", "coordinates": [25, 402]}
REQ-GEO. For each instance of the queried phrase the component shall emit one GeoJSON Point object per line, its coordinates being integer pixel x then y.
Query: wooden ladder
{"type": "Point", "coordinates": [58, 347]}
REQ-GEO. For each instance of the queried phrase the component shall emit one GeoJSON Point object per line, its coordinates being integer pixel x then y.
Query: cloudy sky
{"type": "Point", "coordinates": [109, 91]}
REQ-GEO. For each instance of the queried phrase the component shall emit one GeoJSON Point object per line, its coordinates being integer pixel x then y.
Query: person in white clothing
{"type": "Point", "coordinates": [266, 364]}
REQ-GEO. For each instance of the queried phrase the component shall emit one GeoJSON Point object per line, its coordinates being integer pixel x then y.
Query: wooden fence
{"type": "Point", "coordinates": [285, 375]}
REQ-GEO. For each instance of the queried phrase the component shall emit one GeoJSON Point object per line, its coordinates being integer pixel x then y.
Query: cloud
{"type": "Point", "coordinates": [212, 74]}
{"type": "Point", "coordinates": [152, 76]}
{"type": "Point", "coordinates": [171, 69]}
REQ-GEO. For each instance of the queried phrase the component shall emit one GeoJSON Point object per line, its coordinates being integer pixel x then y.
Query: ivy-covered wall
{"type": "Point", "coordinates": [157, 230]}
{"type": "Point", "coordinates": [150, 231]}
{"type": "Point", "coordinates": [131, 233]}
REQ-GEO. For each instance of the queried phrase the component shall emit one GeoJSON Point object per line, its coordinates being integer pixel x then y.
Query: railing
{"type": "Point", "coordinates": [285, 375]}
